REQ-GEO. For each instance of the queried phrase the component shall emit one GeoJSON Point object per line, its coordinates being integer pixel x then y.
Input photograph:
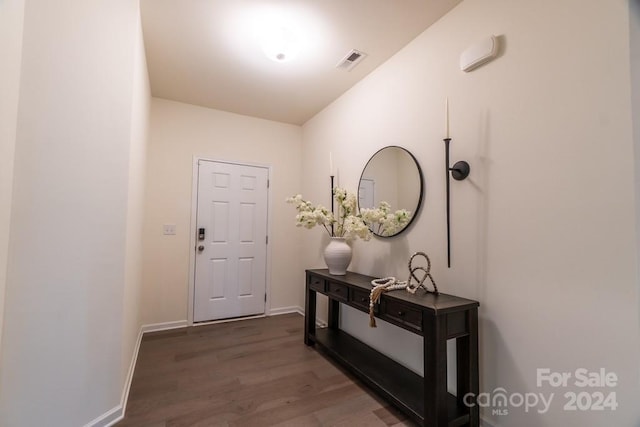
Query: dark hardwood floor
{"type": "Point", "coordinates": [255, 372]}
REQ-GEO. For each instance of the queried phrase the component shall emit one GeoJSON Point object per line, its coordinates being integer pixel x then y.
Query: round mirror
{"type": "Point", "coordinates": [390, 191]}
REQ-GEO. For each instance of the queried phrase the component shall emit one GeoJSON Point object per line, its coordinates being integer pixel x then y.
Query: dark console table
{"type": "Point", "coordinates": [437, 318]}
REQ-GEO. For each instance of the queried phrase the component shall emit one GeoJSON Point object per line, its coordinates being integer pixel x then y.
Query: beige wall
{"type": "Point", "coordinates": [132, 305]}
{"type": "Point", "coordinates": [634, 30]}
{"type": "Point", "coordinates": [63, 338]}
{"type": "Point", "coordinates": [11, 18]}
{"type": "Point", "coordinates": [543, 230]}
{"type": "Point", "coordinates": [177, 133]}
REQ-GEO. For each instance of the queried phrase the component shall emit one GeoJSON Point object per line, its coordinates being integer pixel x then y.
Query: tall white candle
{"type": "Point", "coordinates": [446, 107]}
{"type": "Point", "coordinates": [330, 164]}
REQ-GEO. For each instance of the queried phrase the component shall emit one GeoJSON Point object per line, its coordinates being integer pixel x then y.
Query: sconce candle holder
{"type": "Point", "coordinates": [332, 205]}
{"type": "Point", "coordinates": [459, 172]}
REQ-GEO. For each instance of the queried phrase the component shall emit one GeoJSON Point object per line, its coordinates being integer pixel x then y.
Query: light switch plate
{"type": "Point", "coordinates": [169, 229]}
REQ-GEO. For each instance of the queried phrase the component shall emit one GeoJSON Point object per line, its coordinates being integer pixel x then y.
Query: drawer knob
{"type": "Point", "coordinates": [363, 299]}
{"type": "Point", "coordinates": [400, 313]}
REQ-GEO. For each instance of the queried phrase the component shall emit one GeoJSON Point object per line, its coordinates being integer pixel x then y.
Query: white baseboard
{"type": "Point", "coordinates": [132, 368]}
{"type": "Point", "coordinates": [107, 419]}
{"type": "Point", "coordinates": [156, 327]}
{"type": "Point", "coordinates": [286, 310]}
{"type": "Point", "coordinates": [295, 309]}
{"type": "Point", "coordinates": [117, 414]}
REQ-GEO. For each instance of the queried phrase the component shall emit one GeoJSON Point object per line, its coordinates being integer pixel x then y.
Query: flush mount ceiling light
{"type": "Point", "coordinates": [283, 34]}
{"type": "Point", "coordinates": [280, 43]}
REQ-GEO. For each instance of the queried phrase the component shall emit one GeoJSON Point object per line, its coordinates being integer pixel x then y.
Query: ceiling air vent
{"type": "Point", "coordinates": [351, 60]}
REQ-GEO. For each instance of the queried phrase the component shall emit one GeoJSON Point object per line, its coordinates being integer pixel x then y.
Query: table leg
{"type": "Point", "coordinates": [467, 368]}
{"type": "Point", "coordinates": [474, 368]}
{"type": "Point", "coordinates": [309, 316]}
{"type": "Point", "coordinates": [333, 314]}
{"type": "Point", "coordinates": [435, 370]}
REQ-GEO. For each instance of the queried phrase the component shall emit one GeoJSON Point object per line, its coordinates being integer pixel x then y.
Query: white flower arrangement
{"type": "Point", "coordinates": [383, 222]}
{"type": "Point", "coordinates": [348, 222]}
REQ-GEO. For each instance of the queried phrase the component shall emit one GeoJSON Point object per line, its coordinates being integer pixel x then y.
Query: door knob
{"type": "Point", "coordinates": [201, 248]}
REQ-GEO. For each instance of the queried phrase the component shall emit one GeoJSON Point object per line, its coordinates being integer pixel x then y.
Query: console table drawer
{"type": "Point", "coordinates": [316, 283]}
{"type": "Point", "coordinates": [359, 299]}
{"type": "Point", "coordinates": [338, 291]}
{"type": "Point", "coordinates": [401, 314]}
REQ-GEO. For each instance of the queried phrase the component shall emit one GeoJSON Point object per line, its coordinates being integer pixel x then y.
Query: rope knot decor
{"type": "Point", "coordinates": [391, 283]}
{"type": "Point", "coordinates": [412, 288]}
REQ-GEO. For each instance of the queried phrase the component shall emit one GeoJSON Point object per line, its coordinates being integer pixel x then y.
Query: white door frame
{"type": "Point", "coordinates": [193, 230]}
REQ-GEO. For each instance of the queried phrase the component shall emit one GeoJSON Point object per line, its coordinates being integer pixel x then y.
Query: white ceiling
{"type": "Point", "coordinates": [206, 52]}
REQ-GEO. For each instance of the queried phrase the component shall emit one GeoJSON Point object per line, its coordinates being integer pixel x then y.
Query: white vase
{"type": "Point", "coordinates": [337, 256]}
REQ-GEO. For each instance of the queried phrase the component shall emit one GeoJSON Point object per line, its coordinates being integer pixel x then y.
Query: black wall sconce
{"type": "Point", "coordinates": [459, 171]}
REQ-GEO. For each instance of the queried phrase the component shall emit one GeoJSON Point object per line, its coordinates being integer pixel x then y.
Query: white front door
{"type": "Point", "coordinates": [231, 244]}
{"type": "Point", "coordinates": [367, 193]}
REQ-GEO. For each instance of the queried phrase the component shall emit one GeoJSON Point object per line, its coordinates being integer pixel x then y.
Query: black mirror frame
{"type": "Point", "coordinates": [422, 188]}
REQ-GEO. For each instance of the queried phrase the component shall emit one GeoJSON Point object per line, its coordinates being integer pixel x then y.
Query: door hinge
{"type": "Point", "coordinates": [267, 240]}
{"type": "Point", "coordinates": [265, 297]}
{"type": "Point", "coordinates": [268, 183]}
